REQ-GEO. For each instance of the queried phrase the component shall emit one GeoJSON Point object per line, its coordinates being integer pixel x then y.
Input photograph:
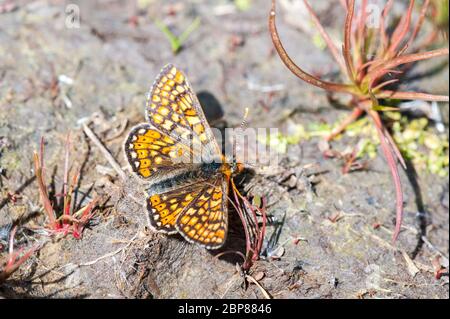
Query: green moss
{"type": "Point", "coordinates": [319, 42]}
{"type": "Point", "coordinates": [280, 142]}
{"type": "Point", "coordinates": [441, 18]}
{"type": "Point", "coordinates": [420, 144]}
{"type": "Point", "coordinates": [10, 160]}
{"type": "Point", "coordinates": [416, 139]}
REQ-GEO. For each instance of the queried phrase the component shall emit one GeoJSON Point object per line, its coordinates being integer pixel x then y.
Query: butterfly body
{"type": "Point", "coordinates": [177, 157]}
{"type": "Point", "coordinates": [197, 174]}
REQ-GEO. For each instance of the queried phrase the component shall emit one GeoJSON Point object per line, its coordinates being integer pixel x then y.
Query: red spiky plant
{"type": "Point", "coordinates": [254, 221]}
{"type": "Point", "coordinates": [15, 258]}
{"type": "Point", "coordinates": [371, 60]}
{"type": "Point", "coordinates": [66, 222]}
{"type": "Point", "coordinates": [254, 232]}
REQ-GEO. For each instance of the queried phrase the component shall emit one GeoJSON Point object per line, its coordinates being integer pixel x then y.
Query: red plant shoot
{"type": "Point", "coordinates": [67, 222]}
{"type": "Point", "coordinates": [15, 258]}
{"type": "Point", "coordinates": [254, 233]}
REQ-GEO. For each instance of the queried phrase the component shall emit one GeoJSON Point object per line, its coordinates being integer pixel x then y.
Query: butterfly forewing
{"type": "Point", "coordinates": [173, 107]}
{"type": "Point", "coordinates": [152, 153]}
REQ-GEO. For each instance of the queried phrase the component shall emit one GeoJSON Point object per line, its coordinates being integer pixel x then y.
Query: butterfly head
{"type": "Point", "coordinates": [232, 168]}
{"type": "Point", "coordinates": [237, 168]}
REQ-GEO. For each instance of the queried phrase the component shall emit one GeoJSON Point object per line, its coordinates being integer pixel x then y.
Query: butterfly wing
{"type": "Point", "coordinates": [205, 220]}
{"type": "Point", "coordinates": [174, 109]}
{"type": "Point", "coordinates": [164, 208]}
{"type": "Point", "coordinates": [153, 154]}
{"type": "Point", "coordinates": [178, 135]}
{"type": "Point", "coordinates": [197, 211]}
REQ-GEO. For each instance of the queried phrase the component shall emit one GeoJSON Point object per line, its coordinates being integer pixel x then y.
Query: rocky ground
{"type": "Point", "coordinates": [55, 76]}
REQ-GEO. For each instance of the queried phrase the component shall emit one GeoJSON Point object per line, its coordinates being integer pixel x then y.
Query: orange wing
{"type": "Point", "coordinates": [178, 134]}
{"type": "Point", "coordinates": [151, 153]}
{"type": "Point", "coordinates": [197, 211]}
{"type": "Point", "coordinates": [174, 109]}
{"type": "Point", "coordinates": [165, 208]}
{"type": "Point", "coordinates": [205, 220]}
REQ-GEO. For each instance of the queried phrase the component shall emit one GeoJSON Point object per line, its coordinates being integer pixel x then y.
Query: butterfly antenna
{"type": "Point", "coordinates": [244, 121]}
{"type": "Point", "coordinates": [241, 129]}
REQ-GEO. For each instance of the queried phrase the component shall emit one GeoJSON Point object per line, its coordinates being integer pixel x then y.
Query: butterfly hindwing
{"type": "Point", "coordinates": [205, 221]}
{"type": "Point", "coordinates": [164, 208]}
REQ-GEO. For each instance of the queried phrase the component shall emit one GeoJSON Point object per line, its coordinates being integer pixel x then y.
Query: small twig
{"type": "Point", "coordinates": [419, 23]}
{"type": "Point", "coordinates": [380, 70]}
{"type": "Point", "coordinates": [431, 246]}
{"type": "Point", "coordinates": [387, 94]}
{"type": "Point", "coordinates": [401, 29]}
{"type": "Point", "coordinates": [223, 253]}
{"type": "Point", "coordinates": [39, 172]}
{"type": "Point", "coordinates": [264, 292]}
{"type": "Point", "coordinates": [395, 148]}
{"type": "Point", "coordinates": [334, 51]}
{"type": "Point", "coordinates": [230, 284]}
{"type": "Point", "coordinates": [15, 260]}
{"type": "Point", "coordinates": [383, 36]}
{"type": "Point", "coordinates": [384, 84]}
{"type": "Point", "coordinates": [66, 209]}
{"type": "Point", "coordinates": [112, 161]}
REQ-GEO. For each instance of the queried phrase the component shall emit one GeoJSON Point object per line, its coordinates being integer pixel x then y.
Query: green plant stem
{"type": "Point", "coordinates": [176, 43]}
{"type": "Point", "coordinates": [192, 27]}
